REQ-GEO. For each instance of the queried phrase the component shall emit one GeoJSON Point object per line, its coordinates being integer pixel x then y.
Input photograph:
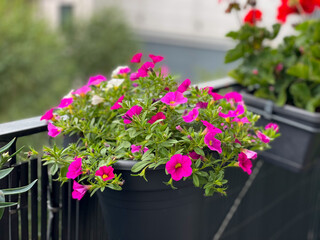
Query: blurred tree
{"type": "Point", "coordinates": [34, 69]}
{"type": "Point", "coordinates": [100, 44]}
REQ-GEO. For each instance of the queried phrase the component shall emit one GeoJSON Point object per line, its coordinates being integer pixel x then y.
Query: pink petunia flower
{"type": "Point", "coordinates": [233, 96]}
{"type": "Point", "coordinates": [134, 76]}
{"type": "Point", "coordinates": [48, 115]}
{"type": "Point", "coordinates": [65, 102]}
{"type": "Point", "coordinates": [211, 128]}
{"type": "Point", "coordinates": [274, 126]}
{"type": "Point", "coordinates": [262, 137]}
{"type": "Point", "coordinates": [184, 86]}
{"type": "Point", "coordinates": [245, 163]}
{"type": "Point", "coordinates": [138, 148]}
{"type": "Point", "coordinates": [195, 155]}
{"type": "Point", "coordinates": [174, 98]}
{"type": "Point", "coordinates": [75, 168]}
{"type": "Point", "coordinates": [135, 110]}
{"type": "Point", "coordinates": [215, 96]}
{"type": "Point", "coordinates": [105, 172]}
{"type": "Point", "coordinates": [250, 154]}
{"type": "Point", "coordinates": [136, 58]}
{"type": "Point", "coordinates": [145, 68]}
{"type": "Point", "coordinates": [79, 190]}
{"type": "Point", "coordinates": [237, 141]}
{"type": "Point", "coordinates": [212, 143]}
{"type": "Point", "coordinates": [239, 111]}
{"type": "Point", "coordinates": [155, 58]}
{"type": "Point", "coordinates": [241, 120]}
{"type": "Point", "coordinates": [96, 80]}
{"type": "Point", "coordinates": [53, 131]}
{"type": "Point", "coordinates": [191, 116]}
{"type": "Point", "coordinates": [159, 115]}
{"type": "Point", "coordinates": [202, 105]}
{"type": "Point", "coordinates": [117, 105]}
{"type": "Point", "coordinates": [82, 91]}
{"type": "Point", "coordinates": [179, 166]}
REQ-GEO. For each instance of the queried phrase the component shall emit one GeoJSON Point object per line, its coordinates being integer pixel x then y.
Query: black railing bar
{"type": "Point", "coordinates": [22, 128]}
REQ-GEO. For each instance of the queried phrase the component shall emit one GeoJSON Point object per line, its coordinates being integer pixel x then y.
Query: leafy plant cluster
{"type": "Point", "coordinates": [152, 130]}
{"type": "Point", "coordinates": [287, 74]}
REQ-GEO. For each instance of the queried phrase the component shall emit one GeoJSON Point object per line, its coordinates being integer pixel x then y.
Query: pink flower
{"type": "Point", "coordinates": [191, 116]}
{"type": "Point", "coordinates": [117, 105]}
{"type": "Point", "coordinates": [245, 163]}
{"type": "Point", "coordinates": [233, 96]}
{"type": "Point", "coordinates": [237, 141]}
{"type": "Point", "coordinates": [134, 76]}
{"type": "Point", "coordinates": [156, 59]}
{"type": "Point", "coordinates": [214, 95]}
{"type": "Point", "coordinates": [79, 190]}
{"type": "Point", "coordinates": [239, 111]}
{"type": "Point", "coordinates": [165, 70]}
{"type": "Point", "coordinates": [137, 148]}
{"type": "Point", "coordinates": [105, 172]}
{"type": "Point", "coordinates": [174, 98]}
{"type": "Point", "coordinates": [241, 120]}
{"type": "Point", "coordinates": [279, 67]}
{"type": "Point", "coordinates": [274, 126]}
{"type": "Point", "coordinates": [159, 115]}
{"type": "Point", "coordinates": [136, 58]}
{"type": "Point", "coordinates": [263, 137]}
{"type": "Point", "coordinates": [65, 102]}
{"type": "Point", "coordinates": [250, 154]}
{"type": "Point", "coordinates": [255, 72]}
{"type": "Point", "coordinates": [202, 105]}
{"type": "Point", "coordinates": [53, 131]}
{"type": "Point", "coordinates": [143, 70]}
{"type": "Point", "coordinates": [135, 110]}
{"type": "Point", "coordinates": [48, 115]}
{"type": "Point", "coordinates": [124, 70]}
{"type": "Point", "coordinates": [75, 168]}
{"type": "Point", "coordinates": [96, 80]}
{"type": "Point", "coordinates": [195, 155]}
{"type": "Point", "coordinates": [83, 90]}
{"type": "Point", "coordinates": [211, 128]}
{"type": "Point", "coordinates": [179, 166]}
{"type": "Point", "coordinates": [179, 128]}
{"type": "Point", "coordinates": [212, 143]}
{"type": "Point", "coordinates": [184, 86]}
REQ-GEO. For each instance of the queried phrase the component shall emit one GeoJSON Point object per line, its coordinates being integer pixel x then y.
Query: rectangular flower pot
{"type": "Point", "coordinates": [298, 147]}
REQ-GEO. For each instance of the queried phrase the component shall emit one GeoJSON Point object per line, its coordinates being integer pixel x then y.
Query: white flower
{"type": "Point", "coordinates": [69, 95]}
{"type": "Point", "coordinates": [96, 100]}
{"type": "Point", "coordinates": [116, 72]}
{"type": "Point", "coordinates": [114, 83]}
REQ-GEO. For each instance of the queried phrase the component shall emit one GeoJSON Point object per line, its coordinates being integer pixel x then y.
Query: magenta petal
{"type": "Point", "coordinates": [48, 115]}
{"type": "Point", "coordinates": [202, 105]}
{"type": "Point", "coordinates": [117, 105]}
{"type": "Point", "coordinates": [179, 166]}
{"type": "Point", "coordinates": [235, 96]}
{"type": "Point", "coordinates": [65, 102]}
{"type": "Point", "coordinates": [83, 90]}
{"type": "Point", "coordinates": [53, 131]}
{"type": "Point", "coordinates": [78, 190]}
{"type": "Point", "coordinates": [211, 128]}
{"type": "Point", "coordinates": [135, 110]}
{"type": "Point", "coordinates": [159, 115]}
{"type": "Point", "coordinates": [96, 80]}
{"type": "Point", "coordinates": [134, 76]}
{"type": "Point", "coordinates": [274, 126]}
{"type": "Point", "coordinates": [250, 154]}
{"type": "Point", "coordinates": [213, 143]}
{"type": "Point", "coordinates": [263, 137]}
{"type": "Point", "coordinates": [136, 58]}
{"type": "Point", "coordinates": [135, 148]}
{"type": "Point", "coordinates": [245, 163]}
{"type": "Point", "coordinates": [74, 169]}
{"type": "Point", "coordinates": [174, 98]}
{"type": "Point", "coordinates": [184, 86]}
{"type": "Point", "coordinates": [105, 172]}
{"type": "Point", "coordinates": [155, 58]}
{"type": "Point", "coordinates": [191, 116]}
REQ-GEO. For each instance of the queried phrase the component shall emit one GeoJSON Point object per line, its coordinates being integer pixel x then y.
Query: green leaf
{"type": "Point", "coordinates": [299, 70]}
{"type": "Point", "coordinates": [7, 146]}
{"type": "Point", "coordinates": [235, 53]}
{"type": "Point", "coordinates": [195, 180]}
{"type": "Point", "coordinates": [19, 190]}
{"type": "Point", "coordinates": [301, 94]}
{"type": "Point", "coordinates": [199, 151]}
{"type": "Point", "coordinates": [6, 204]}
{"type": "Point", "coordinates": [139, 166]}
{"type": "Point", "coordinates": [313, 104]}
{"type": "Point", "coordinates": [5, 172]}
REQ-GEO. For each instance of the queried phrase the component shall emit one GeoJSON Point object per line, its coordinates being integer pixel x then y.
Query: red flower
{"type": "Point", "coordinates": [253, 16]}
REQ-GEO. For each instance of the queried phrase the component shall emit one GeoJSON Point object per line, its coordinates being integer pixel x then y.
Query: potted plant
{"type": "Point", "coordinates": [282, 83]}
{"type": "Point", "coordinates": [152, 149]}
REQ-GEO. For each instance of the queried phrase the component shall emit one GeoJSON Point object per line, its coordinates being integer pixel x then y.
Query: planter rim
{"type": "Point", "coordinates": [126, 165]}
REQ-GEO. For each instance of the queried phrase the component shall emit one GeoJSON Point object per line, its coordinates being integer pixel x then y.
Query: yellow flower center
{"type": "Point", "coordinates": [104, 176]}
{"type": "Point", "coordinates": [172, 102]}
{"type": "Point", "coordinates": [210, 142]}
{"type": "Point", "coordinates": [228, 120]}
{"type": "Point", "coordinates": [178, 165]}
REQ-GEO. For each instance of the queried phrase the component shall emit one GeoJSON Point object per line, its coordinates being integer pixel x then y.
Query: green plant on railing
{"type": "Point", "coordinates": [4, 158]}
{"type": "Point", "coordinates": [286, 74]}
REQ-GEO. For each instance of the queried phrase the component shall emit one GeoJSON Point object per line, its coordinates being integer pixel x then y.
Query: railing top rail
{"type": "Point", "coordinates": [21, 128]}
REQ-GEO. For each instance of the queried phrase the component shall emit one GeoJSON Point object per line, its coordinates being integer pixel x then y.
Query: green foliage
{"type": "Point", "coordinates": [100, 44]}
{"type": "Point", "coordinates": [288, 74]}
{"type": "Point", "coordinates": [32, 62]}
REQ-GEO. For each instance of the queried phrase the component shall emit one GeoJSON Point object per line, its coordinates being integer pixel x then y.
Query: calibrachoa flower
{"type": "Point", "coordinates": [174, 98]}
{"type": "Point", "coordinates": [48, 115]}
{"type": "Point", "coordinates": [245, 163]}
{"type": "Point", "coordinates": [65, 102]}
{"type": "Point", "coordinates": [215, 96]}
{"type": "Point", "coordinates": [211, 128]}
{"type": "Point", "coordinates": [250, 154]}
{"type": "Point", "coordinates": [105, 172]}
{"type": "Point", "coordinates": [263, 137]}
{"type": "Point", "coordinates": [82, 91]}
{"type": "Point", "coordinates": [191, 116]}
{"type": "Point", "coordinates": [144, 69]}
{"type": "Point", "coordinates": [53, 131]}
{"type": "Point", "coordinates": [75, 168]}
{"type": "Point", "coordinates": [155, 58]}
{"type": "Point", "coordinates": [116, 105]}
{"type": "Point", "coordinates": [134, 76]}
{"type": "Point", "coordinates": [79, 190]}
{"type": "Point", "coordinates": [121, 70]}
{"type": "Point", "coordinates": [234, 97]}
{"type": "Point", "coordinates": [213, 143]}
{"type": "Point", "coordinates": [135, 110]}
{"type": "Point", "coordinates": [136, 58]}
{"type": "Point", "coordinates": [241, 120]}
{"type": "Point", "coordinates": [202, 105]}
{"type": "Point", "coordinates": [253, 16]}
{"type": "Point", "coordinates": [184, 86]}
{"type": "Point", "coordinates": [96, 80]}
{"type": "Point", "coordinates": [159, 115]}
{"type": "Point", "coordinates": [274, 126]}
{"type": "Point", "coordinates": [138, 148]}
{"type": "Point", "coordinates": [239, 111]}
{"type": "Point", "coordinates": [195, 155]}
{"type": "Point", "coordinates": [179, 166]}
